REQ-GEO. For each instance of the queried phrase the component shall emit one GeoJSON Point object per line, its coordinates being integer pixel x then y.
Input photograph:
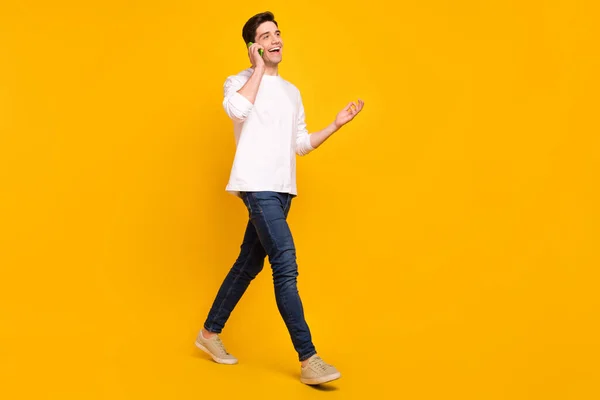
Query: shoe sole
{"type": "Point", "coordinates": [215, 358]}
{"type": "Point", "coordinates": [322, 379]}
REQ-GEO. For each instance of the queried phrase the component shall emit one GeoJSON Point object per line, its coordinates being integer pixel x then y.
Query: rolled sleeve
{"type": "Point", "coordinates": [236, 106]}
{"type": "Point", "coordinates": [303, 146]}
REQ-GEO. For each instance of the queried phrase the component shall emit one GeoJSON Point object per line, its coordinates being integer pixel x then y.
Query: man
{"type": "Point", "coordinates": [269, 127]}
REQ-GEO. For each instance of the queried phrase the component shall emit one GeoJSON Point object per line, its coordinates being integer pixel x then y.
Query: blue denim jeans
{"type": "Point", "coordinates": [267, 234]}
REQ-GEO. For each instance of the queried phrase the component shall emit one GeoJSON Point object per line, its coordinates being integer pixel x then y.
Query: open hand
{"type": "Point", "coordinates": [348, 113]}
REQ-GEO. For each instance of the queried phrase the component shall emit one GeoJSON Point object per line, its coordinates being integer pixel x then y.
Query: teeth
{"type": "Point", "coordinates": [274, 49]}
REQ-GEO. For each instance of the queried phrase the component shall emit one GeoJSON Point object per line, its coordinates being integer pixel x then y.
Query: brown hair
{"type": "Point", "coordinates": [249, 30]}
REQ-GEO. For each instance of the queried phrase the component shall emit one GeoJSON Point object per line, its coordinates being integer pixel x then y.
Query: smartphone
{"type": "Point", "coordinates": [260, 51]}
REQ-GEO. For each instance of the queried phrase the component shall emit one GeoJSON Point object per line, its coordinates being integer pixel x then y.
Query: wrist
{"type": "Point", "coordinates": [259, 69]}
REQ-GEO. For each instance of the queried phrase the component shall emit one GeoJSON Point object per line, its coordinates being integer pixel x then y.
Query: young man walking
{"type": "Point", "coordinates": [270, 130]}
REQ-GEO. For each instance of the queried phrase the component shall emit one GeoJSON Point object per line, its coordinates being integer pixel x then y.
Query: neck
{"type": "Point", "coordinates": [271, 70]}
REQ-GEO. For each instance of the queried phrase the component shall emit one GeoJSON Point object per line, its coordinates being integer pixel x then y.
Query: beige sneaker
{"type": "Point", "coordinates": [215, 348]}
{"type": "Point", "coordinates": [318, 371]}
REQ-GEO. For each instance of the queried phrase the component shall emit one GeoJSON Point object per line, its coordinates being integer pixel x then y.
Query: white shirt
{"type": "Point", "coordinates": [268, 134]}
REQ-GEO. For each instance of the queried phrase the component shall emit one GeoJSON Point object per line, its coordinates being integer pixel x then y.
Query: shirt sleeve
{"type": "Point", "coordinates": [303, 146]}
{"type": "Point", "coordinates": [236, 106]}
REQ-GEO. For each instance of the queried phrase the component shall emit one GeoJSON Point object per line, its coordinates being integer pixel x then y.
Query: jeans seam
{"type": "Point", "coordinates": [261, 212]}
{"type": "Point", "coordinates": [287, 206]}
{"type": "Point", "coordinates": [269, 231]}
{"type": "Point", "coordinates": [233, 283]}
{"type": "Point", "coordinates": [285, 308]}
{"type": "Point", "coordinates": [247, 202]}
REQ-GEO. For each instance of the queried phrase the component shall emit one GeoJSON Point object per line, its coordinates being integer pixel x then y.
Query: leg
{"type": "Point", "coordinates": [268, 212]}
{"type": "Point", "coordinates": [248, 264]}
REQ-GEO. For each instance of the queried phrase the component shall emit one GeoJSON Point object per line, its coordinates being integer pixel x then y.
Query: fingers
{"type": "Point", "coordinates": [255, 48]}
{"type": "Point", "coordinates": [254, 54]}
{"type": "Point", "coordinates": [252, 51]}
{"type": "Point", "coordinates": [250, 54]}
{"type": "Point", "coordinates": [358, 106]}
{"type": "Point", "coordinates": [355, 107]}
{"type": "Point", "coordinates": [351, 110]}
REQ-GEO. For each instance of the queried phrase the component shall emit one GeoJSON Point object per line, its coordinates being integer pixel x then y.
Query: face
{"type": "Point", "coordinates": [269, 36]}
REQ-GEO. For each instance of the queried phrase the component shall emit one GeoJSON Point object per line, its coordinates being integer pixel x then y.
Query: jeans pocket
{"type": "Point", "coordinates": [244, 197]}
{"type": "Point", "coordinates": [251, 202]}
{"type": "Point", "coordinates": [288, 204]}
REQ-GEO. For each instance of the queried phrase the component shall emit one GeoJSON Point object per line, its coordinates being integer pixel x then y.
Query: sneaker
{"type": "Point", "coordinates": [215, 348]}
{"type": "Point", "coordinates": [318, 371]}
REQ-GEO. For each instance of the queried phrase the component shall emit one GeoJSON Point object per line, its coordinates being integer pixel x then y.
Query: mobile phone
{"type": "Point", "coordinates": [260, 51]}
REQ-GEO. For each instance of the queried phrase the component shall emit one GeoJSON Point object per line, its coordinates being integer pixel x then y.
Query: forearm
{"type": "Point", "coordinates": [317, 138]}
{"type": "Point", "coordinates": [250, 88]}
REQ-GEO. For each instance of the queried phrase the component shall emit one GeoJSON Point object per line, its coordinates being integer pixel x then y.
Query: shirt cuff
{"type": "Point", "coordinates": [303, 146]}
{"type": "Point", "coordinates": [241, 104]}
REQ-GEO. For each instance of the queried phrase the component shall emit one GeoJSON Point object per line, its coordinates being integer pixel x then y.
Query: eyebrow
{"type": "Point", "coordinates": [266, 33]}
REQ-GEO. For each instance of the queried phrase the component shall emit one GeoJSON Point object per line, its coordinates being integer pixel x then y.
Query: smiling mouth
{"type": "Point", "coordinates": [275, 50]}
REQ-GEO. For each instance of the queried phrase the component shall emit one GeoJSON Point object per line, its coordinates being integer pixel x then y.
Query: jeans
{"type": "Point", "coordinates": [267, 234]}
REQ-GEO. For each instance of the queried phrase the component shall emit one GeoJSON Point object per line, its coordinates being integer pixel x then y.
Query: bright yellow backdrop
{"type": "Point", "coordinates": [447, 239]}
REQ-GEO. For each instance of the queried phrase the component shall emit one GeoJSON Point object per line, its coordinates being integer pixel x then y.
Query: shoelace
{"type": "Point", "coordinates": [318, 363]}
{"type": "Point", "coordinates": [221, 345]}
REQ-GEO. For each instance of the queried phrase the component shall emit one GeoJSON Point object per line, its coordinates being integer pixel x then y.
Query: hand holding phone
{"type": "Point", "coordinates": [256, 60]}
{"type": "Point", "coordinates": [260, 51]}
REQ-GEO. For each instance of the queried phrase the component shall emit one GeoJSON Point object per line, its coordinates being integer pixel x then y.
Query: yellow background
{"type": "Point", "coordinates": [447, 238]}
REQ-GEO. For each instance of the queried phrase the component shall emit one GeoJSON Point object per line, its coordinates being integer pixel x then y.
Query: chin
{"type": "Point", "coordinates": [276, 60]}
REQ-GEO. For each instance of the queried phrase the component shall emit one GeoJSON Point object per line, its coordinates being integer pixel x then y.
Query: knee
{"type": "Point", "coordinates": [286, 275]}
{"type": "Point", "coordinates": [253, 270]}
